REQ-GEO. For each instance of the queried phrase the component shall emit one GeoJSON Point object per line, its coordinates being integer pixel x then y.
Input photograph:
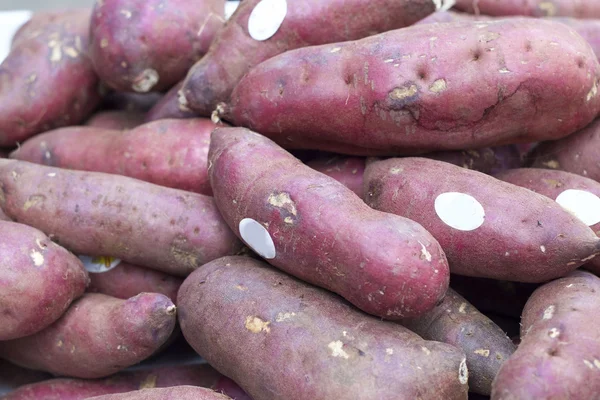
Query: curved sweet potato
{"type": "Point", "coordinates": [534, 8]}
{"type": "Point", "coordinates": [170, 393]}
{"type": "Point", "coordinates": [169, 107]}
{"type": "Point", "coordinates": [118, 120]}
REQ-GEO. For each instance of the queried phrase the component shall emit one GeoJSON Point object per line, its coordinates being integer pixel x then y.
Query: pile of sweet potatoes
{"type": "Point", "coordinates": [365, 199]}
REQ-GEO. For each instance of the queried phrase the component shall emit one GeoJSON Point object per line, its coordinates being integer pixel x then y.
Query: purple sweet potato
{"type": "Point", "coordinates": [170, 152]}
{"type": "Point", "coordinates": [488, 160]}
{"type": "Point", "coordinates": [474, 218]}
{"type": "Point", "coordinates": [80, 389]}
{"type": "Point", "coordinates": [184, 392]}
{"type": "Point", "coordinates": [98, 336]}
{"type": "Point", "coordinates": [318, 230]}
{"type": "Point", "coordinates": [424, 88]}
{"type": "Point", "coordinates": [97, 214]}
{"type": "Point", "coordinates": [559, 353]}
{"type": "Point", "coordinates": [346, 170]}
{"type": "Point", "coordinates": [170, 107]}
{"type": "Point", "coordinates": [13, 376]}
{"type": "Point", "coordinates": [235, 51]}
{"type": "Point", "coordinates": [331, 349]}
{"type": "Point", "coordinates": [47, 80]}
{"type": "Point", "coordinates": [533, 8]}
{"type": "Point", "coordinates": [118, 120]}
{"type": "Point", "coordinates": [456, 322]}
{"type": "Point", "coordinates": [143, 45]}
{"type": "Point", "coordinates": [38, 280]}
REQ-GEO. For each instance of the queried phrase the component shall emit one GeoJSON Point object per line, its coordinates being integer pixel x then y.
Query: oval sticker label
{"type": "Point", "coordinates": [266, 18]}
{"type": "Point", "coordinates": [97, 265]}
{"type": "Point", "coordinates": [459, 211]}
{"type": "Point", "coordinates": [583, 204]}
{"type": "Point", "coordinates": [258, 238]}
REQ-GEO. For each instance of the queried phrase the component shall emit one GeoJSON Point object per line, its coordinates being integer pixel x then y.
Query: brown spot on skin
{"type": "Point", "coordinates": [438, 86]}
{"type": "Point", "coordinates": [402, 93]}
{"type": "Point", "coordinates": [257, 325]}
{"type": "Point", "coordinates": [547, 8]}
{"type": "Point", "coordinates": [552, 164]}
{"type": "Point", "coordinates": [149, 382]}
{"type": "Point", "coordinates": [33, 201]}
{"type": "Point", "coordinates": [552, 182]}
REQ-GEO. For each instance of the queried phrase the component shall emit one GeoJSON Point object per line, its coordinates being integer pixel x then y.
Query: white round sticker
{"type": "Point", "coordinates": [459, 211]}
{"type": "Point", "coordinates": [584, 205]}
{"type": "Point", "coordinates": [97, 265]}
{"type": "Point", "coordinates": [266, 18]}
{"type": "Point", "coordinates": [257, 237]}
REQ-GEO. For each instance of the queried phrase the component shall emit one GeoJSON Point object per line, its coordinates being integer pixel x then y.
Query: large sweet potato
{"type": "Point", "coordinates": [312, 344]}
{"type": "Point", "coordinates": [534, 8]}
{"type": "Point", "coordinates": [169, 107]}
{"type": "Point", "coordinates": [143, 45]}
{"type": "Point", "coordinates": [315, 228]}
{"type": "Point", "coordinates": [184, 392]}
{"type": "Point", "coordinates": [97, 214]}
{"type": "Point", "coordinates": [424, 88]}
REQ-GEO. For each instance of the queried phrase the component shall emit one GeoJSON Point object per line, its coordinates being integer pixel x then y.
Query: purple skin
{"type": "Point", "coordinates": [38, 280]}
{"type": "Point", "coordinates": [99, 214]}
{"type": "Point", "coordinates": [534, 243]}
{"type": "Point", "coordinates": [489, 160]}
{"type": "Point", "coordinates": [386, 103]}
{"type": "Point", "coordinates": [560, 344]}
{"type": "Point", "coordinates": [533, 8]}
{"type": "Point", "coordinates": [117, 120]}
{"type": "Point", "coordinates": [312, 344]}
{"type": "Point", "coordinates": [169, 107]}
{"type": "Point", "coordinates": [98, 336]}
{"type": "Point", "coordinates": [143, 45]}
{"type": "Point", "coordinates": [346, 170]}
{"type": "Point", "coordinates": [311, 22]}
{"type": "Point", "coordinates": [322, 232]}
{"type": "Point", "coordinates": [230, 388]}
{"type": "Point", "coordinates": [184, 392]}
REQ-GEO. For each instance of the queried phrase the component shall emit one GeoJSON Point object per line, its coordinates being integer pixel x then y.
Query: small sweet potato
{"type": "Point", "coordinates": [488, 160]}
{"type": "Point", "coordinates": [170, 393]}
{"type": "Point", "coordinates": [474, 218]}
{"type": "Point", "coordinates": [456, 322]}
{"type": "Point", "coordinates": [559, 353]}
{"type": "Point", "coordinates": [331, 349]}
{"type": "Point", "coordinates": [170, 152]}
{"type": "Point", "coordinates": [424, 88]}
{"type": "Point", "coordinates": [169, 107]}
{"type": "Point", "coordinates": [318, 230]}
{"type": "Point", "coordinates": [118, 120]}
{"type": "Point", "coordinates": [97, 214]}
{"type": "Point", "coordinates": [47, 80]}
{"type": "Point", "coordinates": [38, 280]}
{"type": "Point", "coordinates": [533, 8]}
{"type": "Point", "coordinates": [346, 170]}
{"type": "Point", "coordinates": [143, 45]}
{"type": "Point", "coordinates": [98, 336]}
{"type": "Point", "coordinates": [235, 51]}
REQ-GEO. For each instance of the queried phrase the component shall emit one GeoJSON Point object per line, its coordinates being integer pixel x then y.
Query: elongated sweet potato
{"type": "Point", "coordinates": [424, 88]}
{"type": "Point", "coordinates": [170, 393]}
{"type": "Point", "coordinates": [38, 280]}
{"type": "Point", "coordinates": [47, 80]}
{"type": "Point", "coordinates": [244, 41]}
{"type": "Point", "coordinates": [534, 8]}
{"type": "Point", "coordinates": [346, 170]}
{"type": "Point", "coordinates": [118, 120]}
{"type": "Point", "coordinates": [171, 153]}
{"type": "Point", "coordinates": [455, 321]}
{"type": "Point", "coordinates": [99, 214]}
{"type": "Point", "coordinates": [560, 344]}
{"type": "Point", "coordinates": [488, 160]}
{"type": "Point", "coordinates": [98, 336]}
{"type": "Point", "coordinates": [315, 228]}
{"type": "Point", "coordinates": [338, 349]}
{"type": "Point", "coordinates": [474, 218]}
{"type": "Point", "coordinates": [169, 107]}
{"type": "Point", "coordinates": [141, 45]}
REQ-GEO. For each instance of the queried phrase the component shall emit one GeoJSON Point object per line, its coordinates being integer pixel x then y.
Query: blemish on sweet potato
{"type": "Point", "coordinates": [257, 325]}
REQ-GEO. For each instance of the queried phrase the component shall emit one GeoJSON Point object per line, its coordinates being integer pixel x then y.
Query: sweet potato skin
{"type": "Point", "coordinates": [97, 214]}
{"type": "Point", "coordinates": [47, 80]}
{"type": "Point", "coordinates": [272, 314]}
{"type": "Point", "coordinates": [489, 160]}
{"type": "Point", "coordinates": [533, 8]}
{"type": "Point", "coordinates": [211, 80]}
{"type": "Point", "coordinates": [560, 344]}
{"type": "Point", "coordinates": [389, 100]}
{"type": "Point", "coordinates": [38, 280]}
{"type": "Point", "coordinates": [169, 107]}
{"type": "Point", "coordinates": [171, 153]}
{"type": "Point", "coordinates": [128, 38]}
{"type": "Point", "coordinates": [322, 232]}
{"type": "Point", "coordinates": [118, 120]}
{"type": "Point", "coordinates": [98, 336]}
{"type": "Point", "coordinates": [346, 170]}
{"type": "Point", "coordinates": [526, 244]}
{"type": "Point", "coordinates": [184, 392]}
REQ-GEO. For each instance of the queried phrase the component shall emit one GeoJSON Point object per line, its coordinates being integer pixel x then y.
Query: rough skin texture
{"type": "Point", "coordinates": [47, 80]}
{"type": "Point", "coordinates": [171, 152]}
{"type": "Point", "coordinates": [171, 393]}
{"type": "Point", "coordinates": [97, 214]}
{"type": "Point", "coordinates": [424, 88]}
{"type": "Point", "coordinates": [234, 52]}
{"type": "Point", "coordinates": [322, 232]}
{"type": "Point", "coordinates": [119, 120]}
{"type": "Point", "coordinates": [560, 344]}
{"type": "Point", "coordinates": [346, 170]}
{"type": "Point", "coordinates": [98, 336]}
{"type": "Point", "coordinates": [143, 45]}
{"type": "Point", "coordinates": [488, 160]}
{"type": "Point", "coordinates": [330, 348]}
{"type": "Point", "coordinates": [169, 107]}
{"type": "Point", "coordinates": [38, 280]}
{"type": "Point", "coordinates": [455, 321]}
{"type": "Point", "coordinates": [533, 243]}
{"type": "Point", "coordinates": [79, 389]}
{"type": "Point", "coordinates": [533, 8]}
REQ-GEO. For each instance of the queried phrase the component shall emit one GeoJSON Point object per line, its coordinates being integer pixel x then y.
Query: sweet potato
{"type": "Point", "coordinates": [331, 349]}
{"type": "Point", "coordinates": [170, 393]}
{"type": "Point", "coordinates": [474, 218]}
{"type": "Point", "coordinates": [4, 217]}
{"type": "Point", "coordinates": [488, 160]}
{"type": "Point", "coordinates": [235, 51]}
{"type": "Point", "coordinates": [79, 389]}
{"type": "Point", "coordinates": [47, 80]}
{"type": "Point", "coordinates": [13, 376]}
{"type": "Point", "coordinates": [118, 120]}
{"type": "Point", "coordinates": [316, 229]}
{"type": "Point", "coordinates": [99, 214]}
{"type": "Point", "coordinates": [39, 20]}
{"type": "Point", "coordinates": [98, 336]}
{"type": "Point", "coordinates": [169, 107]}
{"type": "Point", "coordinates": [38, 280]}
{"type": "Point", "coordinates": [346, 170]}
{"type": "Point", "coordinates": [456, 322]}
{"type": "Point", "coordinates": [171, 152]}
{"type": "Point", "coordinates": [230, 388]}
{"type": "Point", "coordinates": [560, 344]}
{"type": "Point", "coordinates": [424, 88]}
{"type": "Point", "coordinates": [533, 8]}
{"type": "Point", "coordinates": [143, 45]}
